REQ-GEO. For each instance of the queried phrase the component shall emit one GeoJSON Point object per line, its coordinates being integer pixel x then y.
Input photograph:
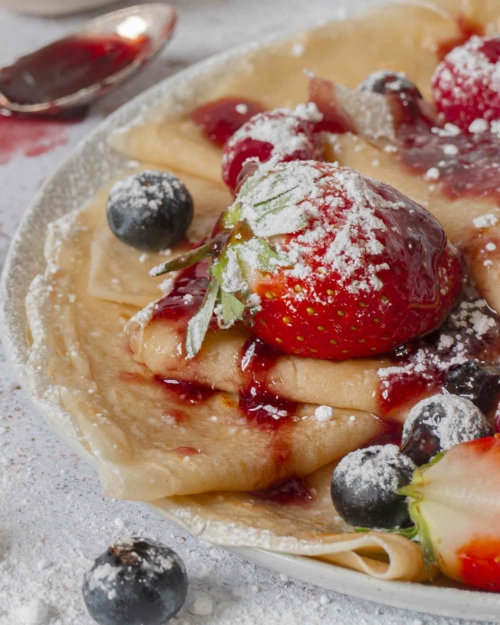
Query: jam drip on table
{"type": "Point", "coordinates": [260, 405]}
{"type": "Point", "coordinates": [292, 492]}
{"type": "Point", "coordinates": [471, 334]}
{"type": "Point", "coordinates": [66, 66]}
{"type": "Point", "coordinates": [220, 119]}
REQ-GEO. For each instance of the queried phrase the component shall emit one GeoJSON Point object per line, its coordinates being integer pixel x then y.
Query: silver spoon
{"type": "Point", "coordinates": [132, 36]}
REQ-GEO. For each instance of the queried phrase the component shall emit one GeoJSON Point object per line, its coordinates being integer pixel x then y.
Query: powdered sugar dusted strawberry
{"type": "Point", "coordinates": [324, 262]}
{"type": "Point", "coordinates": [455, 503]}
{"type": "Point", "coordinates": [368, 269]}
{"type": "Point", "coordinates": [466, 84]}
{"type": "Point", "coordinates": [282, 134]}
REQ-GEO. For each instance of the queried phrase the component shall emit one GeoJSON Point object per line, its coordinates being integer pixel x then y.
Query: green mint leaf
{"type": "Point", "coordinates": [198, 325]}
{"type": "Point", "coordinates": [232, 309]}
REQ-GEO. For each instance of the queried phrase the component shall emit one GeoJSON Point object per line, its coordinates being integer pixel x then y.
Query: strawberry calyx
{"type": "Point", "coordinates": [413, 492]}
{"type": "Point", "coordinates": [238, 242]}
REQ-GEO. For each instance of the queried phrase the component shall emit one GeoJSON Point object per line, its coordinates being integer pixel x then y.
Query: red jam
{"type": "Point", "coordinates": [30, 137]}
{"type": "Point", "coordinates": [186, 451]}
{"type": "Point", "coordinates": [66, 66]}
{"type": "Point", "coordinates": [420, 366]}
{"type": "Point", "coordinates": [186, 297]}
{"type": "Point", "coordinates": [391, 435]}
{"type": "Point", "coordinates": [186, 392]}
{"type": "Point", "coordinates": [291, 492]}
{"type": "Point", "coordinates": [257, 402]}
{"type": "Point", "coordinates": [220, 119]}
{"type": "Point", "coordinates": [467, 164]}
{"type": "Point", "coordinates": [467, 29]}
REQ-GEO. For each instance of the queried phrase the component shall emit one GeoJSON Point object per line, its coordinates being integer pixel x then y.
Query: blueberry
{"type": "Point", "coordinates": [478, 383]}
{"type": "Point", "coordinates": [439, 423]}
{"type": "Point", "coordinates": [151, 210]}
{"type": "Point", "coordinates": [139, 582]}
{"type": "Point", "coordinates": [365, 485]}
{"type": "Point", "coordinates": [391, 82]}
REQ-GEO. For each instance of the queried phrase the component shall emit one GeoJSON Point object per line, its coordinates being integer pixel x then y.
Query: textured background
{"type": "Point", "coordinates": [53, 517]}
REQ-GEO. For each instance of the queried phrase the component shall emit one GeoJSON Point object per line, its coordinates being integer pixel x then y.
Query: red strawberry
{"type": "Point", "coordinates": [282, 134]}
{"type": "Point", "coordinates": [329, 263]}
{"type": "Point", "coordinates": [466, 83]}
{"type": "Point", "coordinates": [456, 506]}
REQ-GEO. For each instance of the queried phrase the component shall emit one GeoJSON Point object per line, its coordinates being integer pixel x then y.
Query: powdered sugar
{"type": "Point", "coordinates": [133, 193]}
{"type": "Point", "coordinates": [284, 198]}
{"type": "Point", "coordinates": [468, 329]}
{"type": "Point", "coordinates": [323, 413]}
{"type": "Point", "coordinates": [485, 221]}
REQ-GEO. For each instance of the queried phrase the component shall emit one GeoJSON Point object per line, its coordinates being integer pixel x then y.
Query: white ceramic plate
{"type": "Point", "coordinates": [76, 181]}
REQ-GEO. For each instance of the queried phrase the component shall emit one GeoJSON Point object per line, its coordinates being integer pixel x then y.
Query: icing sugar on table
{"type": "Point", "coordinates": [54, 519]}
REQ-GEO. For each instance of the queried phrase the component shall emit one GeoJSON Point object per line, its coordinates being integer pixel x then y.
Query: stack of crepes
{"type": "Point", "coordinates": [198, 458]}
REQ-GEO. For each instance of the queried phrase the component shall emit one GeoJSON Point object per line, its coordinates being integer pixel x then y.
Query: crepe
{"type": "Point", "coordinates": [149, 444]}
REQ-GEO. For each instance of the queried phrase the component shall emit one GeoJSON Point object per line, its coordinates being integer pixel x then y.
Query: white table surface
{"type": "Point", "coordinates": [54, 519]}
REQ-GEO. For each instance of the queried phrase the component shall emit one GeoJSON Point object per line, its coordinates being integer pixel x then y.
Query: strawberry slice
{"type": "Point", "coordinates": [466, 84]}
{"type": "Point", "coordinates": [326, 263]}
{"type": "Point", "coordinates": [455, 503]}
{"type": "Point", "coordinates": [281, 134]}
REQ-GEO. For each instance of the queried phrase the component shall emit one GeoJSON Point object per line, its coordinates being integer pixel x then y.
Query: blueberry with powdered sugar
{"type": "Point", "coordinates": [439, 423]}
{"type": "Point", "coordinates": [150, 210]}
{"type": "Point", "coordinates": [136, 582]}
{"type": "Point", "coordinates": [365, 487]}
{"type": "Point", "coordinates": [395, 83]}
{"type": "Point", "coordinates": [479, 383]}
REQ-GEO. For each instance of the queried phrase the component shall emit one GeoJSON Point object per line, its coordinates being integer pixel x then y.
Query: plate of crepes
{"type": "Point", "coordinates": [263, 298]}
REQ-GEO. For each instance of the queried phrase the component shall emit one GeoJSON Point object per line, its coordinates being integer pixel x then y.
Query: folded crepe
{"type": "Point", "coordinates": [148, 443]}
{"type": "Point", "coordinates": [196, 448]}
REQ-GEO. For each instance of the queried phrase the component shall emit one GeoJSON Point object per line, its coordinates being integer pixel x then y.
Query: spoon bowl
{"type": "Point", "coordinates": [74, 71]}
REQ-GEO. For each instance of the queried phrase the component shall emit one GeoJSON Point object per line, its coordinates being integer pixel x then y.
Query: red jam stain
{"type": "Point", "coordinates": [291, 492]}
{"type": "Point", "coordinates": [466, 29]}
{"type": "Point", "coordinates": [185, 451]}
{"type": "Point", "coordinates": [256, 401]}
{"type": "Point", "coordinates": [68, 65]}
{"type": "Point", "coordinates": [132, 378]}
{"type": "Point", "coordinates": [220, 119]}
{"type": "Point", "coordinates": [30, 137]}
{"type": "Point", "coordinates": [423, 363]}
{"type": "Point", "coordinates": [480, 563]}
{"type": "Point", "coordinates": [390, 435]}
{"type": "Point", "coordinates": [186, 297]}
{"type": "Point", "coordinates": [468, 163]}
{"type": "Point", "coordinates": [186, 392]}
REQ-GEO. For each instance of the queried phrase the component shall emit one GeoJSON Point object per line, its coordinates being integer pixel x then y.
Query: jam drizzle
{"type": "Point", "coordinates": [266, 409]}
{"type": "Point", "coordinates": [186, 296]}
{"type": "Point", "coordinates": [185, 392]}
{"type": "Point", "coordinates": [466, 29]}
{"type": "Point", "coordinates": [467, 164]}
{"type": "Point", "coordinates": [221, 118]}
{"type": "Point", "coordinates": [292, 492]}
{"type": "Point", "coordinates": [471, 333]}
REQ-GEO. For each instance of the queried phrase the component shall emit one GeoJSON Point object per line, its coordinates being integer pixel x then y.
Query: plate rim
{"type": "Point", "coordinates": [450, 602]}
